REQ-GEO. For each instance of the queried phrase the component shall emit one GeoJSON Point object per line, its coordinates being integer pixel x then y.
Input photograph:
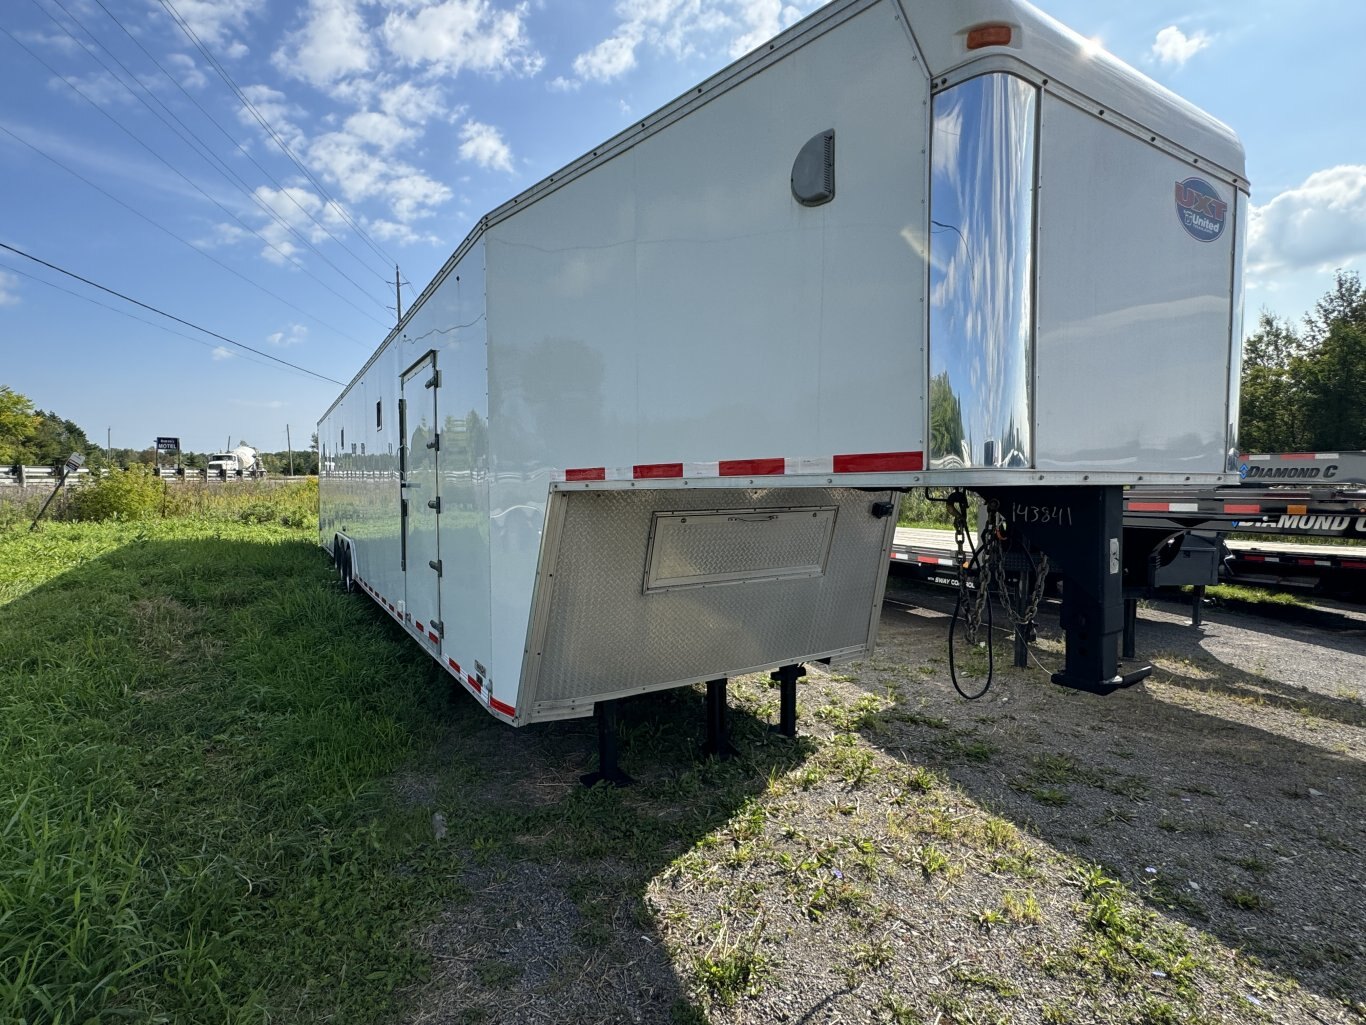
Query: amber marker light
{"type": "Point", "coordinates": [988, 35]}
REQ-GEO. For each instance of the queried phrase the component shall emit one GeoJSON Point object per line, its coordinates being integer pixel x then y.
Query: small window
{"type": "Point", "coordinates": [379, 415]}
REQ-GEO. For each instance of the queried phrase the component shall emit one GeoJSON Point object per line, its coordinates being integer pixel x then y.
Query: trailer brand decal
{"type": "Point", "coordinates": [1200, 209]}
{"type": "Point", "coordinates": [1249, 472]}
{"type": "Point", "coordinates": [1336, 524]}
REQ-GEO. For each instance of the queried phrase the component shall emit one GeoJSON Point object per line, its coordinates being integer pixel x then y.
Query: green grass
{"type": "Point", "coordinates": [191, 771]}
{"type": "Point", "coordinates": [1248, 595]}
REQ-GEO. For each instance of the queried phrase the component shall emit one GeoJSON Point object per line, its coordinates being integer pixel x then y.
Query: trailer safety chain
{"type": "Point", "coordinates": [987, 559]}
{"type": "Point", "coordinates": [971, 607]}
{"type": "Point", "coordinates": [1021, 616]}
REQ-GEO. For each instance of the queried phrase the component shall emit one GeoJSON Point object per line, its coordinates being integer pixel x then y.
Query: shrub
{"type": "Point", "coordinates": [132, 494]}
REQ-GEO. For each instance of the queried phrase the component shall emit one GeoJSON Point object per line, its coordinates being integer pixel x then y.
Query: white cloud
{"type": "Point", "coordinates": [1172, 46]}
{"type": "Point", "coordinates": [9, 289]}
{"type": "Point", "coordinates": [295, 334]}
{"type": "Point", "coordinates": [214, 20]}
{"type": "Point", "coordinates": [679, 28]}
{"type": "Point", "coordinates": [190, 75]}
{"type": "Point", "coordinates": [333, 43]}
{"type": "Point", "coordinates": [221, 352]}
{"type": "Point", "coordinates": [450, 36]}
{"type": "Point", "coordinates": [99, 86]}
{"type": "Point", "coordinates": [764, 19]}
{"type": "Point", "coordinates": [1318, 224]}
{"type": "Point", "coordinates": [350, 163]}
{"type": "Point", "coordinates": [298, 208]}
{"type": "Point", "coordinates": [560, 84]}
{"type": "Point", "coordinates": [484, 145]}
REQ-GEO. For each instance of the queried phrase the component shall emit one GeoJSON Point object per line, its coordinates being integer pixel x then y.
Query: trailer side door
{"type": "Point", "coordinates": [421, 496]}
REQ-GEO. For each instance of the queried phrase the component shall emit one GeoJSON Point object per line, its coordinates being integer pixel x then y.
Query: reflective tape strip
{"type": "Point", "coordinates": [1148, 506]}
{"type": "Point", "coordinates": [499, 706]}
{"type": "Point", "coordinates": [879, 462]}
{"type": "Point", "coordinates": [433, 637]}
{"type": "Point", "coordinates": [752, 467]}
{"type": "Point", "coordinates": [473, 682]}
{"type": "Point", "coordinates": [1184, 507]}
{"type": "Point", "coordinates": [767, 466]}
{"type": "Point", "coordinates": [586, 473]}
{"type": "Point", "coordinates": [656, 471]}
{"type": "Point", "coordinates": [1229, 507]}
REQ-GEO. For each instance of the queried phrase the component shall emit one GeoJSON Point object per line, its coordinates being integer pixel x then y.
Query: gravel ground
{"type": "Point", "coordinates": [1187, 850]}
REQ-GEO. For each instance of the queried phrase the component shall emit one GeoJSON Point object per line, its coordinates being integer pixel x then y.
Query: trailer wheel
{"type": "Point", "coordinates": [344, 568]}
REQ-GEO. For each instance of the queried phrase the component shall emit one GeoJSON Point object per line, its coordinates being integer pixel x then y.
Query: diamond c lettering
{"type": "Point", "coordinates": [1200, 209]}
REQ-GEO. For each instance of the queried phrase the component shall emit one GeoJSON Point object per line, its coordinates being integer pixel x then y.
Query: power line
{"type": "Point", "coordinates": [243, 150]}
{"type": "Point", "coordinates": [269, 129]}
{"type": "Point", "coordinates": [122, 313]}
{"type": "Point", "coordinates": [171, 167]}
{"type": "Point", "coordinates": [183, 241]}
{"type": "Point", "coordinates": [203, 150]}
{"type": "Point", "coordinates": [168, 316]}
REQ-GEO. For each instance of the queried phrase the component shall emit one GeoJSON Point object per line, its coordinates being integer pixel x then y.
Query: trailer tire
{"type": "Point", "coordinates": [345, 570]}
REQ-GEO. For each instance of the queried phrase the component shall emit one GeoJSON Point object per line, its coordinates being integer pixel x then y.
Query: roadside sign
{"type": "Point", "coordinates": [168, 444]}
{"type": "Point", "coordinates": [74, 462]}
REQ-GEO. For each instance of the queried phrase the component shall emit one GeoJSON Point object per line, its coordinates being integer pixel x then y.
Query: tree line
{"type": "Point", "coordinates": [36, 437]}
{"type": "Point", "coordinates": [1304, 389]}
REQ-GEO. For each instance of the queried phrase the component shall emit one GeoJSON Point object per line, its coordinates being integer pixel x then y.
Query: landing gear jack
{"type": "Point", "coordinates": [609, 771]}
{"type": "Point", "coordinates": [787, 677]}
{"type": "Point", "coordinates": [718, 743]}
{"type": "Point", "coordinates": [1080, 529]}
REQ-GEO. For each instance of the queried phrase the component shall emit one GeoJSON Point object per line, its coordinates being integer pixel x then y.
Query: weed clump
{"type": "Point", "coordinates": [131, 494]}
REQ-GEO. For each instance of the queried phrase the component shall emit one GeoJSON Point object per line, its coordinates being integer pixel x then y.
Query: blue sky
{"type": "Point", "coordinates": [411, 118]}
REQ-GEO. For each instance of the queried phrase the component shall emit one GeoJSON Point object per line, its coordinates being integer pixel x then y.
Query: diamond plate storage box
{"type": "Point", "coordinates": [647, 424]}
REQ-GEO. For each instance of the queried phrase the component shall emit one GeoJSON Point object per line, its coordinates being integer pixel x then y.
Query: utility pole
{"type": "Point", "coordinates": [108, 444]}
{"type": "Point", "coordinates": [398, 296]}
{"type": "Point", "coordinates": [289, 445]}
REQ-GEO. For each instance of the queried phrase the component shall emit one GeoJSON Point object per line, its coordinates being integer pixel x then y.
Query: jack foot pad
{"type": "Point", "coordinates": [1138, 672]}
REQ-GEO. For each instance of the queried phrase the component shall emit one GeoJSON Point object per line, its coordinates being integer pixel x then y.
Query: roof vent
{"type": "Point", "coordinates": [813, 172]}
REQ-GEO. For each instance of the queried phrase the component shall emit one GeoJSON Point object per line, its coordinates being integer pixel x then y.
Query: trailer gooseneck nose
{"type": "Point", "coordinates": [947, 259]}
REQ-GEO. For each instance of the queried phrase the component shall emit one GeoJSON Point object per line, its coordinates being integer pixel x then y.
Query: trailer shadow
{"type": "Point", "coordinates": [1225, 799]}
{"type": "Point", "coordinates": [250, 707]}
{"type": "Point", "coordinates": [556, 926]}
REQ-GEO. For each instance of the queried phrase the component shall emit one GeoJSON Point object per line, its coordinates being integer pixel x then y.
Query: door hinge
{"type": "Point", "coordinates": [438, 627]}
{"type": "Point", "coordinates": [435, 443]}
{"type": "Point", "coordinates": [403, 507]}
{"type": "Point", "coordinates": [436, 565]}
{"type": "Point", "coordinates": [435, 503]}
{"type": "Point", "coordinates": [434, 381]}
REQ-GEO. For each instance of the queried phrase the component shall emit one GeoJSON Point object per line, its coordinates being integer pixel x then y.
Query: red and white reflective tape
{"type": "Point", "coordinates": [775, 466]}
{"type": "Point", "coordinates": [1242, 509]}
{"type": "Point", "coordinates": [1162, 506]}
{"type": "Point", "coordinates": [475, 683]}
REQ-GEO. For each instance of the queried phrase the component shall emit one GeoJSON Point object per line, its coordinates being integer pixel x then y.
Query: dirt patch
{"type": "Point", "coordinates": [1188, 850]}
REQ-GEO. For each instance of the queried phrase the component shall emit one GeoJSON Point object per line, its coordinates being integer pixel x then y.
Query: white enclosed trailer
{"type": "Point", "coordinates": [645, 427]}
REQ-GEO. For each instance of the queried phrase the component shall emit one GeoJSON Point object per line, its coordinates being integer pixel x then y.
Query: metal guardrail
{"type": "Point", "coordinates": [47, 476]}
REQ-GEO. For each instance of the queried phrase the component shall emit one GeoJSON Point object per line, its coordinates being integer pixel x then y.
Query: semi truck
{"type": "Point", "coordinates": [243, 461]}
{"type": "Point", "coordinates": [647, 426]}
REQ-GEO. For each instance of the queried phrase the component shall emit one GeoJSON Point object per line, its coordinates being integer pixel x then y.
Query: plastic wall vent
{"type": "Point", "coordinates": [813, 172]}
